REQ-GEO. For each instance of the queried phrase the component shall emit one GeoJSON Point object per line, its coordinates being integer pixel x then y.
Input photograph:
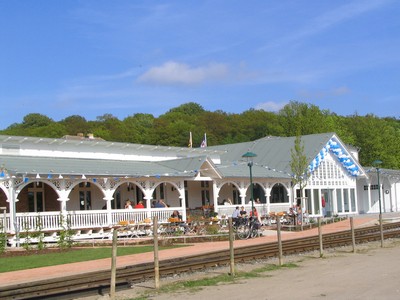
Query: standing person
{"type": "Point", "coordinates": [257, 220]}
{"type": "Point", "coordinates": [299, 215]}
{"type": "Point", "coordinates": [323, 204]}
{"type": "Point", "coordinates": [254, 213]}
{"type": "Point", "coordinates": [235, 215]}
{"type": "Point", "coordinates": [128, 204]}
{"type": "Point", "coordinates": [243, 212]}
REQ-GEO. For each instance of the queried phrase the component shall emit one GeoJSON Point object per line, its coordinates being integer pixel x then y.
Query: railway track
{"type": "Point", "coordinates": [99, 282]}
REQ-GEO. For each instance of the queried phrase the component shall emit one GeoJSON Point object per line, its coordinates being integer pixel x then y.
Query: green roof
{"type": "Point", "coordinates": [273, 155]}
{"type": "Point", "coordinates": [272, 160]}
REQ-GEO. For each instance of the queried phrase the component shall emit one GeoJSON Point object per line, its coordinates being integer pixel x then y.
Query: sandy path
{"type": "Point", "coordinates": [371, 273]}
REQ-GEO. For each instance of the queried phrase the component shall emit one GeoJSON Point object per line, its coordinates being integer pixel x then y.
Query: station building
{"type": "Point", "coordinates": [87, 180]}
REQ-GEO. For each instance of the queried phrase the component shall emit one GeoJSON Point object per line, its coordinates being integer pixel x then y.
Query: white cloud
{"type": "Point", "coordinates": [178, 73]}
{"type": "Point", "coordinates": [271, 106]}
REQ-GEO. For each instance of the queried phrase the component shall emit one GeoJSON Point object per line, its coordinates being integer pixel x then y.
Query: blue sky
{"type": "Point", "coordinates": [89, 58]}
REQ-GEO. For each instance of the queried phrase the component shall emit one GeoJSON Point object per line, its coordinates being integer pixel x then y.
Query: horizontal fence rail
{"type": "Point", "coordinates": [98, 282]}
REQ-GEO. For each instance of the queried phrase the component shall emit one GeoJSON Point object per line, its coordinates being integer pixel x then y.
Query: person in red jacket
{"type": "Point", "coordinates": [139, 205]}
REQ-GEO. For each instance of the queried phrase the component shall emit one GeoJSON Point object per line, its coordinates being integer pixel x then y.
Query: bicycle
{"type": "Point", "coordinates": [248, 229]}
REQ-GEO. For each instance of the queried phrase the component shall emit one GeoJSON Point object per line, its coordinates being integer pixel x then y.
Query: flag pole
{"type": "Point", "coordinates": [190, 140]}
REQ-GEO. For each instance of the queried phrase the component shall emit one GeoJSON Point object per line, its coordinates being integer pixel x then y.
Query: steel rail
{"type": "Point", "coordinates": [99, 282]}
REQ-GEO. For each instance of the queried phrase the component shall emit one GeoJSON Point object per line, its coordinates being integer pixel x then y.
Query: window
{"type": "Point", "coordinates": [85, 200]}
{"type": "Point", "coordinates": [205, 184]}
{"type": "Point", "coordinates": [371, 187]}
{"type": "Point", "coordinates": [346, 200]}
{"type": "Point", "coordinates": [316, 198]}
{"type": "Point", "coordinates": [205, 197]}
{"type": "Point", "coordinates": [353, 200]}
{"type": "Point", "coordinates": [279, 194]}
{"type": "Point", "coordinates": [85, 196]}
{"type": "Point", "coordinates": [235, 195]}
{"type": "Point", "coordinates": [36, 201]}
{"type": "Point", "coordinates": [339, 200]}
{"type": "Point", "coordinates": [116, 203]}
{"type": "Point", "coordinates": [205, 193]}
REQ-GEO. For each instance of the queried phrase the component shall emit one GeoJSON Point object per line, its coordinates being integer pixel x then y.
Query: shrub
{"type": "Point", "coordinates": [3, 239]}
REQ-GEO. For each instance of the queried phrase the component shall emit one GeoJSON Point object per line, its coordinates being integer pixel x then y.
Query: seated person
{"type": "Point", "coordinates": [178, 216]}
{"type": "Point", "coordinates": [128, 204]}
{"type": "Point", "coordinates": [228, 202]}
{"type": "Point", "coordinates": [160, 204]}
{"type": "Point", "coordinates": [139, 204]}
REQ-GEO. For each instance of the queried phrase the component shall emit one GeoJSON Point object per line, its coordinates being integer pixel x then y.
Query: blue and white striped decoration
{"type": "Point", "coordinates": [344, 158]}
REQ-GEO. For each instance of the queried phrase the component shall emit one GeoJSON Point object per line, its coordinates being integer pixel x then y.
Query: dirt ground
{"type": "Point", "coordinates": [370, 273]}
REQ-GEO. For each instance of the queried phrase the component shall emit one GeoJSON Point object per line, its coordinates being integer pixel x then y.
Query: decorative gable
{"type": "Point", "coordinates": [341, 154]}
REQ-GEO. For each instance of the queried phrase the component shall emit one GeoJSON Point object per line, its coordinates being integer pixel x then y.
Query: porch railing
{"type": "Point", "coordinates": [48, 221]}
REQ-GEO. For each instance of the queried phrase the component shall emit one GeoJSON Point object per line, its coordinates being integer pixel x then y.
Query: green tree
{"type": "Point", "coordinates": [302, 118]}
{"type": "Point", "coordinates": [138, 128]}
{"type": "Point", "coordinates": [299, 165]}
{"type": "Point", "coordinates": [36, 120]}
{"type": "Point", "coordinates": [75, 124]}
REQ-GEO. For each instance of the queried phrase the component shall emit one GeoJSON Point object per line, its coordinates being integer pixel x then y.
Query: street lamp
{"type": "Point", "coordinates": [377, 163]}
{"type": "Point", "coordinates": [249, 156]}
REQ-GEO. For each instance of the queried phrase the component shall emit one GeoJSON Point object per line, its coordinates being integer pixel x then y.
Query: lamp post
{"type": "Point", "coordinates": [377, 163]}
{"type": "Point", "coordinates": [249, 156]}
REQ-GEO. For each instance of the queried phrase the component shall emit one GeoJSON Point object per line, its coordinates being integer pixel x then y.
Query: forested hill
{"type": "Point", "coordinates": [376, 138]}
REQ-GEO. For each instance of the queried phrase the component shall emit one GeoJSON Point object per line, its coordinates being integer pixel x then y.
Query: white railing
{"type": "Point", "coordinates": [47, 221]}
{"type": "Point", "coordinates": [5, 222]}
{"type": "Point", "coordinates": [38, 221]}
{"type": "Point", "coordinates": [87, 219]}
{"type": "Point", "coordinates": [131, 215]}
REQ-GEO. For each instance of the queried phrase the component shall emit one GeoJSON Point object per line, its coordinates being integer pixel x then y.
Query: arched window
{"type": "Point", "coordinates": [279, 194]}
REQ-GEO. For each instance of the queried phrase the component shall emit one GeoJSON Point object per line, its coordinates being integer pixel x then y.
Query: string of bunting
{"type": "Point", "coordinates": [332, 146]}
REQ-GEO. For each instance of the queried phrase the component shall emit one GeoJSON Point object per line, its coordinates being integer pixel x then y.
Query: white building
{"type": "Point", "coordinates": [87, 180]}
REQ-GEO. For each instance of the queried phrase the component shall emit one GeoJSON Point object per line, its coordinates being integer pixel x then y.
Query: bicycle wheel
{"type": "Point", "coordinates": [254, 232]}
{"type": "Point", "coordinates": [243, 231]}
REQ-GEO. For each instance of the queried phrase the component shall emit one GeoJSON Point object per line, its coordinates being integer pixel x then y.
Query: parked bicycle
{"type": "Point", "coordinates": [248, 228]}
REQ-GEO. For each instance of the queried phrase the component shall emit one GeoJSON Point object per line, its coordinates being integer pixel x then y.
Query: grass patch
{"type": "Point", "coordinates": [37, 259]}
{"type": "Point", "coordinates": [194, 285]}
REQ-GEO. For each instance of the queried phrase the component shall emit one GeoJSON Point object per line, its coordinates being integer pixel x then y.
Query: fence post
{"type": "Point", "coordinates": [353, 237]}
{"type": "Point", "coordinates": [156, 261]}
{"type": "Point", "coordinates": [113, 264]}
{"type": "Point", "coordinates": [321, 246]}
{"type": "Point", "coordinates": [231, 249]}
{"type": "Point", "coordinates": [381, 228]}
{"type": "Point", "coordinates": [278, 222]}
